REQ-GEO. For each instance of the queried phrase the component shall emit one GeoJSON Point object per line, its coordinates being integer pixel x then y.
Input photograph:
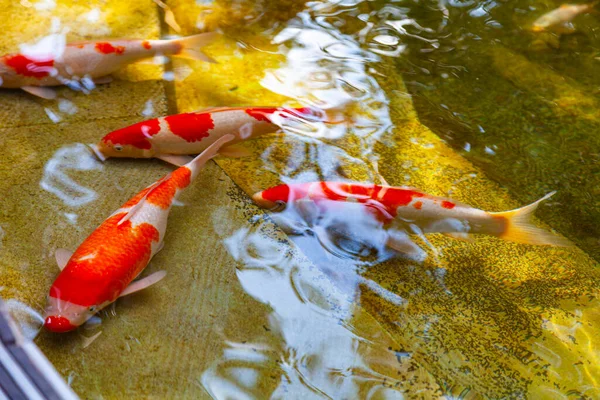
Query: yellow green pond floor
{"type": "Point", "coordinates": [506, 320]}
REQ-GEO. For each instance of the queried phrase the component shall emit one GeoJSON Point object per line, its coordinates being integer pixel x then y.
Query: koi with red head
{"type": "Point", "coordinates": [105, 264]}
{"type": "Point", "coordinates": [401, 207]}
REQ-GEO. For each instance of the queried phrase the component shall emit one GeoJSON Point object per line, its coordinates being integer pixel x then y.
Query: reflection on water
{"type": "Point", "coordinates": [319, 352]}
{"type": "Point", "coordinates": [30, 321]}
{"type": "Point", "coordinates": [56, 180]}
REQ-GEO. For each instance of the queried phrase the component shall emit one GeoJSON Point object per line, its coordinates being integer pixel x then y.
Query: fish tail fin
{"type": "Point", "coordinates": [189, 46]}
{"type": "Point", "coordinates": [519, 228]}
{"type": "Point", "coordinates": [197, 163]}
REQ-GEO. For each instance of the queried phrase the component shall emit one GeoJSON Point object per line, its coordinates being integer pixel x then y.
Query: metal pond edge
{"type": "Point", "coordinates": [25, 373]}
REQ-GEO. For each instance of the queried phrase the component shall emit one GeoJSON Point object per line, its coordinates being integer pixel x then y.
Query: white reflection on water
{"type": "Point", "coordinates": [317, 354]}
{"type": "Point", "coordinates": [30, 321]}
{"type": "Point", "coordinates": [56, 180]}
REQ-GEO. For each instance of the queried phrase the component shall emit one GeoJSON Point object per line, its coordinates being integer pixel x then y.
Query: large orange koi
{"type": "Point", "coordinates": [105, 264]}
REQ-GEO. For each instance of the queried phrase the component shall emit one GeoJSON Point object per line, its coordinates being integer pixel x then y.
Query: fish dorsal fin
{"type": "Point", "coordinates": [140, 203]}
{"type": "Point", "coordinates": [143, 283]}
{"type": "Point", "coordinates": [62, 257]}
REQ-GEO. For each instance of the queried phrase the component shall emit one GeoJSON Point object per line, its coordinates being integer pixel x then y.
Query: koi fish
{"type": "Point", "coordinates": [83, 64]}
{"type": "Point", "coordinates": [173, 137]}
{"type": "Point", "coordinates": [399, 206]}
{"type": "Point", "coordinates": [559, 19]}
{"type": "Point", "coordinates": [105, 264]}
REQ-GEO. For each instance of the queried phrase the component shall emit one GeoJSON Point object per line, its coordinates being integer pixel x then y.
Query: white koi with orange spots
{"type": "Point", "coordinates": [105, 264]}
{"type": "Point", "coordinates": [91, 61]}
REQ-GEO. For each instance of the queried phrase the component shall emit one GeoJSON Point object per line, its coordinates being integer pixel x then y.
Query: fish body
{"type": "Point", "coordinates": [559, 19]}
{"type": "Point", "coordinates": [395, 206]}
{"type": "Point", "coordinates": [105, 264]}
{"type": "Point", "coordinates": [91, 60]}
{"type": "Point", "coordinates": [191, 133]}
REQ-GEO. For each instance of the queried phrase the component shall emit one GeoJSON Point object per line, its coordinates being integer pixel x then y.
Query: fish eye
{"type": "Point", "coordinates": [118, 147]}
{"type": "Point", "coordinates": [92, 309]}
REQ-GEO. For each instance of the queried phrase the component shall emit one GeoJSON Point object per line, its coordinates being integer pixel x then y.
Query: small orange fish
{"type": "Point", "coordinates": [398, 206]}
{"type": "Point", "coordinates": [559, 19]}
{"type": "Point", "coordinates": [80, 65]}
{"type": "Point", "coordinates": [105, 264]}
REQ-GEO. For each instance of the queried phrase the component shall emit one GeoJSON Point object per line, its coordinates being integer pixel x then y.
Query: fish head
{"type": "Point", "coordinates": [109, 149]}
{"type": "Point", "coordinates": [63, 316]}
{"type": "Point", "coordinates": [134, 141]}
{"type": "Point", "coordinates": [274, 198]}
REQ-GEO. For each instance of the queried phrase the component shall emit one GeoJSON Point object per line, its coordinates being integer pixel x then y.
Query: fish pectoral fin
{"type": "Point", "coordinates": [43, 92]}
{"type": "Point", "coordinates": [143, 283]}
{"type": "Point", "coordinates": [465, 237]}
{"type": "Point", "coordinates": [103, 79]}
{"type": "Point", "coordinates": [89, 340]}
{"type": "Point", "coordinates": [62, 257]}
{"type": "Point", "coordinates": [235, 151]}
{"type": "Point", "coordinates": [401, 243]}
{"type": "Point", "coordinates": [175, 159]}
{"type": "Point", "coordinates": [217, 109]}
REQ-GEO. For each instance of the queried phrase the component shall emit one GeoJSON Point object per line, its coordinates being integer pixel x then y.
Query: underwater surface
{"type": "Point", "coordinates": [460, 99]}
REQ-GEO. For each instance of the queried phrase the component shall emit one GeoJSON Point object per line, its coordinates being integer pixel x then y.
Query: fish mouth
{"type": "Point", "coordinates": [97, 152]}
{"type": "Point", "coordinates": [58, 324]}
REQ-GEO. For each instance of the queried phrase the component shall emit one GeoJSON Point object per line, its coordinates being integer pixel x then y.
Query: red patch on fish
{"type": "Point", "coordinates": [277, 193]}
{"type": "Point", "coordinates": [393, 197]}
{"type": "Point", "coordinates": [261, 114]}
{"type": "Point", "coordinates": [448, 204]}
{"type": "Point", "coordinates": [146, 44]}
{"type": "Point", "coordinates": [108, 48]}
{"type": "Point", "coordinates": [192, 127]}
{"type": "Point", "coordinates": [135, 135]}
{"type": "Point", "coordinates": [418, 205]}
{"type": "Point", "coordinates": [28, 67]}
{"type": "Point", "coordinates": [162, 195]}
{"type": "Point", "coordinates": [106, 262]}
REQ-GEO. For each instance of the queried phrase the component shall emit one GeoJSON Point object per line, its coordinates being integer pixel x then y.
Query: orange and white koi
{"type": "Point", "coordinates": [559, 19]}
{"type": "Point", "coordinates": [173, 137]}
{"type": "Point", "coordinates": [401, 207]}
{"type": "Point", "coordinates": [80, 65]}
{"type": "Point", "coordinates": [105, 264]}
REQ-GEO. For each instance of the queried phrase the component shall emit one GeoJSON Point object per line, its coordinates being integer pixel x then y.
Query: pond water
{"type": "Point", "coordinates": [459, 99]}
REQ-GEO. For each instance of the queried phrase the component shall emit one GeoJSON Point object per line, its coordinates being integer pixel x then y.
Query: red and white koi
{"type": "Point", "coordinates": [402, 207]}
{"type": "Point", "coordinates": [85, 63]}
{"type": "Point", "coordinates": [105, 264]}
{"type": "Point", "coordinates": [171, 138]}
